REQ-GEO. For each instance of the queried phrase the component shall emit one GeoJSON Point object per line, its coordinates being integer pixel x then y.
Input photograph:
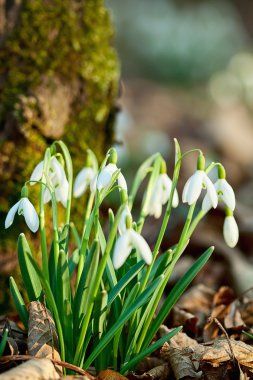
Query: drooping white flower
{"type": "Point", "coordinates": [124, 245]}
{"type": "Point", "coordinates": [230, 231]}
{"type": "Point", "coordinates": [105, 176]}
{"type": "Point", "coordinates": [83, 180]}
{"type": "Point", "coordinates": [122, 222]}
{"type": "Point", "coordinates": [161, 194]}
{"type": "Point", "coordinates": [23, 207]}
{"type": "Point", "coordinates": [225, 194]}
{"type": "Point", "coordinates": [56, 178]}
{"type": "Point", "coordinates": [194, 186]}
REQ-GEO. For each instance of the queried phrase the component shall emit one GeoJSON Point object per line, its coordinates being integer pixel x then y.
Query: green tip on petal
{"type": "Point", "coordinates": [201, 164]}
{"type": "Point", "coordinates": [113, 156]}
{"type": "Point", "coordinates": [129, 221]}
{"type": "Point", "coordinates": [163, 167]}
{"type": "Point", "coordinates": [123, 196]}
{"type": "Point", "coordinates": [228, 212]}
{"type": "Point", "coordinates": [221, 172]}
{"type": "Point", "coordinates": [88, 160]}
{"type": "Point", "coordinates": [24, 192]}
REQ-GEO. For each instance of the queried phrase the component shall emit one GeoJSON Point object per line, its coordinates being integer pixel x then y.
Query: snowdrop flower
{"type": "Point", "coordinates": [129, 240]}
{"type": "Point", "coordinates": [161, 194]}
{"type": "Point", "coordinates": [230, 230]}
{"type": "Point", "coordinates": [57, 178]}
{"type": "Point", "coordinates": [105, 176]}
{"type": "Point", "coordinates": [196, 182]}
{"type": "Point", "coordinates": [83, 180]}
{"type": "Point", "coordinates": [224, 191]}
{"type": "Point", "coordinates": [122, 222]}
{"type": "Point", "coordinates": [23, 207]}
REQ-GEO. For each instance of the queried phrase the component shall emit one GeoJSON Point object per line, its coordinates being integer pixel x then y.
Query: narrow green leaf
{"type": "Point", "coordinates": [75, 234]}
{"type": "Point", "coordinates": [175, 293]}
{"type": "Point", "coordinates": [124, 281]}
{"type": "Point", "coordinates": [30, 278]}
{"type": "Point", "coordinates": [19, 302]}
{"type": "Point", "coordinates": [139, 302]}
{"type": "Point", "coordinates": [73, 261]}
{"type": "Point", "coordinates": [63, 236]}
{"type": "Point", "coordinates": [132, 363]}
{"type": "Point", "coordinates": [3, 341]}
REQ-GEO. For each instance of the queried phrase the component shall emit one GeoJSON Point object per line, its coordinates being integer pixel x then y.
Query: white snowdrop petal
{"type": "Point", "coordinates": [230, 231]}
{"type": "Point", "coordinates": [206, 204]}
{"type": "Point", "coordinates": [122, 221]}
{"type": "Point", "coordinates": [142, 246]}
{"type": "Point", "coordinates": [61, 192]}
{"type": "Point", "coordinates": [194, 187]}
{"type": "Point", "coordinates": [122, 182]}
{"type": "Point", "coordinates": [47, 196]}
{"type": "Point", "coordinates": [30, 215]}
{"type": "Point", "coordinates": [122, 250]}
{"type": "Point", "coordinates": [82, 181]}
{"type": "Point", "coordinates": [37, 173]}
{"type": "Point", "coordinates": [93, 184]}
{"type": "Point", "coordinates": [228, 196]}
{"type": "Point", "coordinates": [105, 176]}
{"type": "Point", "coordinates": [211, 190]}
{"type": "Point", "coordinates": [157, 210]}
{"type": "Point", "coordinates": [11, 214]}
{"type": "Point", "coordinates": [185, 190]}
{"type": "Point", "coordinates": [165, 183]}
{"type": "Point", "coordinates": [175, 200]}
{"type": "Point", "coordinates": [57, 169]}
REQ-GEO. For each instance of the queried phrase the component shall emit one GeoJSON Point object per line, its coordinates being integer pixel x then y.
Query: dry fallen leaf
{"type": "Point", "coordinates": [35, 369]}
{"type": "Point", "coordinates": [160, 372]}
{"type": "Point", "coordinates": [197, 300]}
{"type": "Point", "coordinates": [108, 374]}
{"type": "Point", "coordinates": [220, 353]}
{"type": "Point", "coordinates": [42, 338]}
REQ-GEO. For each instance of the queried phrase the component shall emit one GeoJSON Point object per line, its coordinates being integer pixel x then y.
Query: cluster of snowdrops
{"type": "Point", "coordinates": [104, 294]}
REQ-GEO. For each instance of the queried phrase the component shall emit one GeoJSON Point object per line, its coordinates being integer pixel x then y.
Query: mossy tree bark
{"type": "Point", "coordinates": [58, 79]}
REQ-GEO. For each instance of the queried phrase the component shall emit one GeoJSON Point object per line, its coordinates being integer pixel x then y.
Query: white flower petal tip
{"type": "Point", "coordinates": [194, 186]}
{"type": "Point", "coordinates": [161, 195]}
{"type": "Point", "coordinates": [124, 245]}
{"type": "Point", "coordinates": [56, 178]}
{"type": "Point", "coordinates": [105, 176]}
{"type": "Point", "coordinates": [122, 222]}
{"type": "Point", "coordinates": [230, 231]}
{"type": "Point", "coordinates": [25, 208]}
{"type": "Point", "coordinates": [225, 193]}
{"type": "Point", "coordinates": [82, 181]}
{"type": "Point", "coordinates": [11, 214]}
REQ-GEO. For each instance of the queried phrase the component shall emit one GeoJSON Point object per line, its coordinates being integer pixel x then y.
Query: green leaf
{"type": "Point", "coordinates": [175, 293]}
{"type": "Point", "coordinates": [139, 302]}
{"type": "Point", "coordinates": [19, 302]}
{"type": "Point", "coordinates": [63, 236]}
{"type": "Point", "coordinates": [4, 341]}
{"type": "Point", "coordinates": [30, 278]}
{"type": "Point", "coordinates": [73, 261]}
{"type": "Point", "coordinates": [132, 363]}
{"type": "Point", "coordinates": [75, 234]}
{"type": "Point", "coordinates": [124, 281]}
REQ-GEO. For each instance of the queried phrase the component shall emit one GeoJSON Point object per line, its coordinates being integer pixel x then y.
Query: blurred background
{"type": "Point", "coordinates": [187, 72]}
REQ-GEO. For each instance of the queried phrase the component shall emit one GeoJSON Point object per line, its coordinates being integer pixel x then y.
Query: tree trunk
{"type": "Point", "coordinates": [58, 79]}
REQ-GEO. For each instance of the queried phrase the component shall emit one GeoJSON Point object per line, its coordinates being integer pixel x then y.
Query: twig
{"type": "Point", "coordinates": [72, 367]}
{"type": "Point", "coordinates": [226, 335]}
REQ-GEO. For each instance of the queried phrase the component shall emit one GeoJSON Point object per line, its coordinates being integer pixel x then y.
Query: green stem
{"type": "Point", "coordinates": [95, 286]}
